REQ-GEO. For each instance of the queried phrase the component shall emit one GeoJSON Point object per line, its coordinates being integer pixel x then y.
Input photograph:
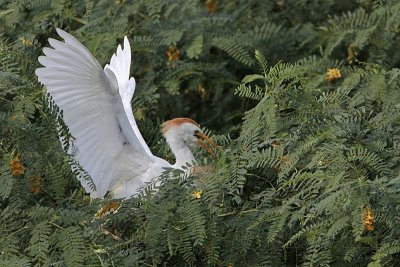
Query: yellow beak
{"type": "Point", "coordinates": [205, 142]}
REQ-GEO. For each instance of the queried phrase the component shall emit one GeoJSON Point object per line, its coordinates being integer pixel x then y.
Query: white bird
{"type": "Point", "coordinates": [96, 106]}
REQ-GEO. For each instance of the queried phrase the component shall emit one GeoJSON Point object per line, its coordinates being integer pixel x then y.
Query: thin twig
{"type": "Point", "coordinates": [237, 212]}
{"type": "Point", "coordinates": [13, 233]}
{"type": "Point", "coordinates": [47, 194]}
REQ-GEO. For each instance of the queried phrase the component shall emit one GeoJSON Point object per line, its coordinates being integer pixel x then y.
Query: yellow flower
{"type": "Point", "coordinates": [173, 54]}
{"type": "Point", "coordinates": [16, 166]}
{"type": "Point", "coordinates": [197, 194]}
{"type": "Point", "coordinates": [368, 219]}
{"type": "Point", "coordinates": [352, 53]}
{"type": "Point", "coordinates": [107, 209]}
{"type": "Point", "coordinates": [212, 5]}
{"type": "Point", "coordinates": [35, 182]}
{"type": "Point", "coordinates": [26, 41]}
{"type": "Point", "coordinates": [202, 90]}
{"type": "Point", "coordinates": [333, 74]}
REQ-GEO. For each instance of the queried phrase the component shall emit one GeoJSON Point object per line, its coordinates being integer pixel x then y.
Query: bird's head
{"type": "Point", "coordinates": [187, 131]}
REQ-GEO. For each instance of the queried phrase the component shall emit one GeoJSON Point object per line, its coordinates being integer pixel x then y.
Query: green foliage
{"type": "Point", "coordinates": [303, 155]}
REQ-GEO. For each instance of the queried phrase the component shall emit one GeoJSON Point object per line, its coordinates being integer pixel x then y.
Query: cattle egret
{"type": "Point", "coordinates": [96, 105]}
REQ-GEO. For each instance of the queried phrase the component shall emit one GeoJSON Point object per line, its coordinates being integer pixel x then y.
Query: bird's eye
{"type": "Point", "coordinates": [196, 134]}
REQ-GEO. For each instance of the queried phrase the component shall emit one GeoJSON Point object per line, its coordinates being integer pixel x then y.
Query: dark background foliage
{"type": "Point", "coordinates": [308, 168]}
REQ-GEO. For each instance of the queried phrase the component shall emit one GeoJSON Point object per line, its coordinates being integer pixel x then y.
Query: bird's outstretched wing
{"type": "Point", "coordinates": [120, 65]}
{"type": "Point", "coordinates": [96, 107]}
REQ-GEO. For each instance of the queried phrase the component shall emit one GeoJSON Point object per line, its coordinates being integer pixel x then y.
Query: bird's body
{"type": "Point", "coordinates": [96, 106]}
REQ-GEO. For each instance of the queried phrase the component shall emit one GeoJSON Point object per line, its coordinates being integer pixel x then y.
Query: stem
{"type": "Point", "coordinates": [13, 233]}
{"type": "Point", "coordinates": [56, 225]}
{"type": "Point", "coordinates": [47, 194]}
{"type": "Point", "coordinates": [79, 20]}
{"type": "Point", "coordinates": [236, 212]}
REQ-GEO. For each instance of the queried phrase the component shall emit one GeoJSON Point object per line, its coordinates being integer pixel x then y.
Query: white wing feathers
{"type": "Point", "coordinates": [120, 62]}
{"type": "Point", "coordinates": [96, 108]}
{"type": "Point", "coordinates": [120, 65]}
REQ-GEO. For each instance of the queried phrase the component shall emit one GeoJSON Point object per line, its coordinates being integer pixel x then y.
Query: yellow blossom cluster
{"type": "Point", "coordinates": [332, 74]}
{"type": "Point", "coordinates": [173, 54]}
{"type": "Point", "coordinates": [35, 181]}
{"type": "Point", "coordinates": [107, 209]}
{"type": "Point", "coordinates": [211, 6]}
{"type": "Point", "coordinates": [16, 166]}
{"type": "Point", "coordinates": [197, 194]}
{"type": "Point", "coordinates": [26, 41]}
{"type": "Point", "coordinates": [368, 219]}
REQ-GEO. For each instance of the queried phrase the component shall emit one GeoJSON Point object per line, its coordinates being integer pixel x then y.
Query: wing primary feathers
{"type": "Point", "coordinates": [95, 104]}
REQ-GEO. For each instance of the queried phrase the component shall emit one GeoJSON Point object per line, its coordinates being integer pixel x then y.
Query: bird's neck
{"type": "Point", "coordinates": [182, 153]}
